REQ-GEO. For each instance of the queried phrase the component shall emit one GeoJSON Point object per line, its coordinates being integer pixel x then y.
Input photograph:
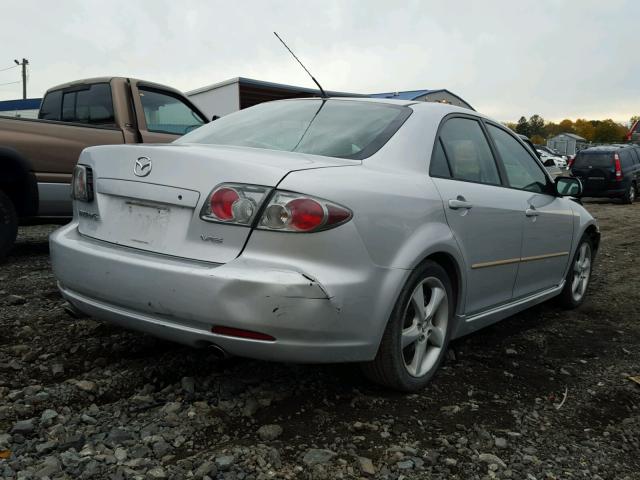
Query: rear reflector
{"type": "Point", "coordinates": [237, 332]}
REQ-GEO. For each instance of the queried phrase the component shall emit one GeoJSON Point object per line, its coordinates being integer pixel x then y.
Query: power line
{"type": "Point", "coordinates": [9, 68]}
{"type": "Point", "coordinates": [9, 83]}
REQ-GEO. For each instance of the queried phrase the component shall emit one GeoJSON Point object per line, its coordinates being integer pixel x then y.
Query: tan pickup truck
{"type": "Point", "coordinates": [37, 157]}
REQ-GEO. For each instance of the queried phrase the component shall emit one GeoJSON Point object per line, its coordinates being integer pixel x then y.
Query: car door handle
{"type": "Point", "coordinates": [458, 203]}
{"type": "Point", "coordinates": [531, 212]}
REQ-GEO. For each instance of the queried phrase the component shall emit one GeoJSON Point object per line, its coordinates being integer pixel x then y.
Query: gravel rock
{"type": "Point", "coordinates": [224, 462]}
{"type": "Point", "coordinates": [491, 458]}
{"type": "Point", "coordinates": [86, 385]}
{"type": "Point", "coordinates": [23, 427]}
{"type": "Point", "coordinates": [269, 432]}
{"type": "Point", "coordinates": [317, 456]}
{"type": "Point", "coordinates": [366, 466]}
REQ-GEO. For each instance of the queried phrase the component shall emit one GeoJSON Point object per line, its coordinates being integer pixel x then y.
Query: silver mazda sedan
{"type": "Point", "coordinates": [324, 230]}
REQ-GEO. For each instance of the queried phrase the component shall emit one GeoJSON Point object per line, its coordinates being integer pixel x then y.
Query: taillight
{"type": "Point", "coordinates": [234, 203]}
{"type": "Point", "coordinates": [294, 212]}
{"type": "Point", "coordinates": [570, 161]}
{"type": "Point", "coordinates": [238, 204]}
{"type": "Point", "coordinates": [82, 184]}
{"type": "Point", "coordinates": [616, 159]}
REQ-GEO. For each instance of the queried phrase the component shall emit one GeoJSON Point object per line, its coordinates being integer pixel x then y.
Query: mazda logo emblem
{"type": "Point", "coordinates": [142, 167]}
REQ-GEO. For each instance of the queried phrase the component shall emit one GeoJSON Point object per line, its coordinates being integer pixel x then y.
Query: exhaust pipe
{"type": "Point", "coordinates": [219, 352]}
{"type": "Point", "coordinates": [73, 312]}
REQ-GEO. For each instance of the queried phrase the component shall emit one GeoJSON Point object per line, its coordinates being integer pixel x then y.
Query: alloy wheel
{"type": "Point", "coordinates": [581, 272]}
{"type": "Point", "coordinates": [424, 327]}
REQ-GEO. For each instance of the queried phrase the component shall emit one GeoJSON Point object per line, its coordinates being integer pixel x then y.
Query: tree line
{"type": "Point", "coordinates": [595, 131]}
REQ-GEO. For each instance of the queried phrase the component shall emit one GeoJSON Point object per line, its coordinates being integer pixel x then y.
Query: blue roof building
{"type": "Point", "coordinates": [439, 96]}
{"type": "Point", "coordinates": [20, 108]}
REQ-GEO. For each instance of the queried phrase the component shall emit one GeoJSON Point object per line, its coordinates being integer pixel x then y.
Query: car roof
{"type": "Point", "coordinates": [606, 148]}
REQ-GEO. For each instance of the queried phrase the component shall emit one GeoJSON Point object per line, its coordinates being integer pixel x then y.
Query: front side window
{"type": "Point", "coordinates": [522, 170]}
{"type": "Point", "coordinates": [469, 155]}
{"type": "Point", "coordinates": [165, 113]}
{"type": "Point", "coordinates": [333, 128]}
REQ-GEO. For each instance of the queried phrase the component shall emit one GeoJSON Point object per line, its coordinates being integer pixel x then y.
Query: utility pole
{"type": "Point", "coordinates": [24, 64]}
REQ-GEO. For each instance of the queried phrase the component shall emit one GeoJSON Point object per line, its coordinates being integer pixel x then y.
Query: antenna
{"type": "Point", "coordinates": [322, 92]}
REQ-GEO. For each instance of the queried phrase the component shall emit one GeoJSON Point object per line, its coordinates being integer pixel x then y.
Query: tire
{"type": "Point", "coordinates": [8, 225]}
{"type": "Point", "coordinates": [570, 298]}
{"type": "Point", "coordinates": [400, 368]}
{"type": "Point", "coordinates": [631, 194]}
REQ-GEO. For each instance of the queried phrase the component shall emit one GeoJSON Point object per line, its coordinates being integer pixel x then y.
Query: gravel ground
{"type": "Point", "coordinates": [82, 399]}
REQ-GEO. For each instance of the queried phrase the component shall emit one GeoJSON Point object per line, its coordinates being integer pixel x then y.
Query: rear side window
{"type": "Point", "coordinates": [626, 158]}
{"type": "Point", "coordinates": [522, 170]}
{"type": "Point", "coordinates": [601, 160]}
{"type": "Point", "coordinates": [439, 166]}
{"type": "Point", "coordinates": [468, 152]}
{"type": "Point", "coordinates": [92, 105]}
{"type": "Point", "coordinates": [165, 113]}
{"type": "Point", "coordinates": [51, 106]}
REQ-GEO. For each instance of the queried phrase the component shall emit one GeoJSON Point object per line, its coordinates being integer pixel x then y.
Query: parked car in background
{"type": "Point", "coordinates": [37, 156]}
{"type": "Point", "coordinates": [325, 230]}
{"type": "Point", "coordinates": [548, 164]}
{"type": "Point", "coordinates": [551, 151]}
{"type": "Point", "coordinates": [611, 171]}
{"type": "Point", "coordinates": [557, 161]}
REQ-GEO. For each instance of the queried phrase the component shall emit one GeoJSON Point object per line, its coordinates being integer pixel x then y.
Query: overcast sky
{"type": "Point", "coordinates": [507, 58]}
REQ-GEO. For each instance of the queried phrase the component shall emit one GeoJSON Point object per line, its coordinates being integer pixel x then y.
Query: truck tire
{"type": "Point", "coordinates": [8, 225]}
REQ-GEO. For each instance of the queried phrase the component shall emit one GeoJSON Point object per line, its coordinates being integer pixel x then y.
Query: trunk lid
{"type": "Point", "coordinates": [160, 211]}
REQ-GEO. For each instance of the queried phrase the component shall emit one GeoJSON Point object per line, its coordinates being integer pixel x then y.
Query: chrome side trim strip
{"type": "Point", "coordinates": [518, 260]}
{"type": "Point", "coordinates": [518, 303]}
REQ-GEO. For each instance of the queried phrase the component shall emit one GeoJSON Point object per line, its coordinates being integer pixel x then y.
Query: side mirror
{"type": "Point", "coordinates": [214, 118]}
{"type": "Point", "coordinates": [568, 187]}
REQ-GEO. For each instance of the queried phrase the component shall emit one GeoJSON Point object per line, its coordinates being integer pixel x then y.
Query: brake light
{"type": "Point", "coordinates": [616, 159]}
{"type": "Point", "coordinates": [234, 203]}
{"type": "Point", "coordinates": [570, 161]}
{"type": "Point", "coordinates": [293, 212]}
{"type": "Point", "coordinates": [222, 202]}
{"type": "Point", "coordinates": [82, 183]}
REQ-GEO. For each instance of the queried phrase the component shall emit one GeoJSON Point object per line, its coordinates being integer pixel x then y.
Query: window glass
{"type": "Point", "coordinates": [168, 114]}
{"type": "Point", "coordinates": [68, 107]}
{"type": "Point", "coordinates": [334, 128]}
{"type": "Point", "coordinates": [439, 166]}
{"type": "Point", "coordinates": [50, 108]}
{"type": "Point", "coordinates": [92, 105]}
{"type": "Point", "coordinates": [522, 170]}
{"type": "Point", "coordinates": [625, 158]}
{"type": "Point", "coordinates": [636, 155]}
{"type": "Point", "coordinates": [593, 159]}
{"type": "Point", "coordinates": [468, 152]}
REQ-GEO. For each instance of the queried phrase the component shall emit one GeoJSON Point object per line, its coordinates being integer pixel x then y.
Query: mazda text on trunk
{"type": "Point", "coordinates": [325, 230]}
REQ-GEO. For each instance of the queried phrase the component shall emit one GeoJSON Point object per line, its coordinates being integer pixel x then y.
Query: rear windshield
{"type": "Point", "coordinates": [334, 128]}
{"type": "Point", "coordinates": [594, 160]}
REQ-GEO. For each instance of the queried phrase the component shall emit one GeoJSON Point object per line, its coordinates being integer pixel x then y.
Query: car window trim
{"type": "Point", "coordinates": [537, 161]}
{"type": "Point", "coordinates": [482, 129]}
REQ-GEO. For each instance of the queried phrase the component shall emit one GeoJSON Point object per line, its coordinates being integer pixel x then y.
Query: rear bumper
{"type": "Point", "coordinates": [181, 300]}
